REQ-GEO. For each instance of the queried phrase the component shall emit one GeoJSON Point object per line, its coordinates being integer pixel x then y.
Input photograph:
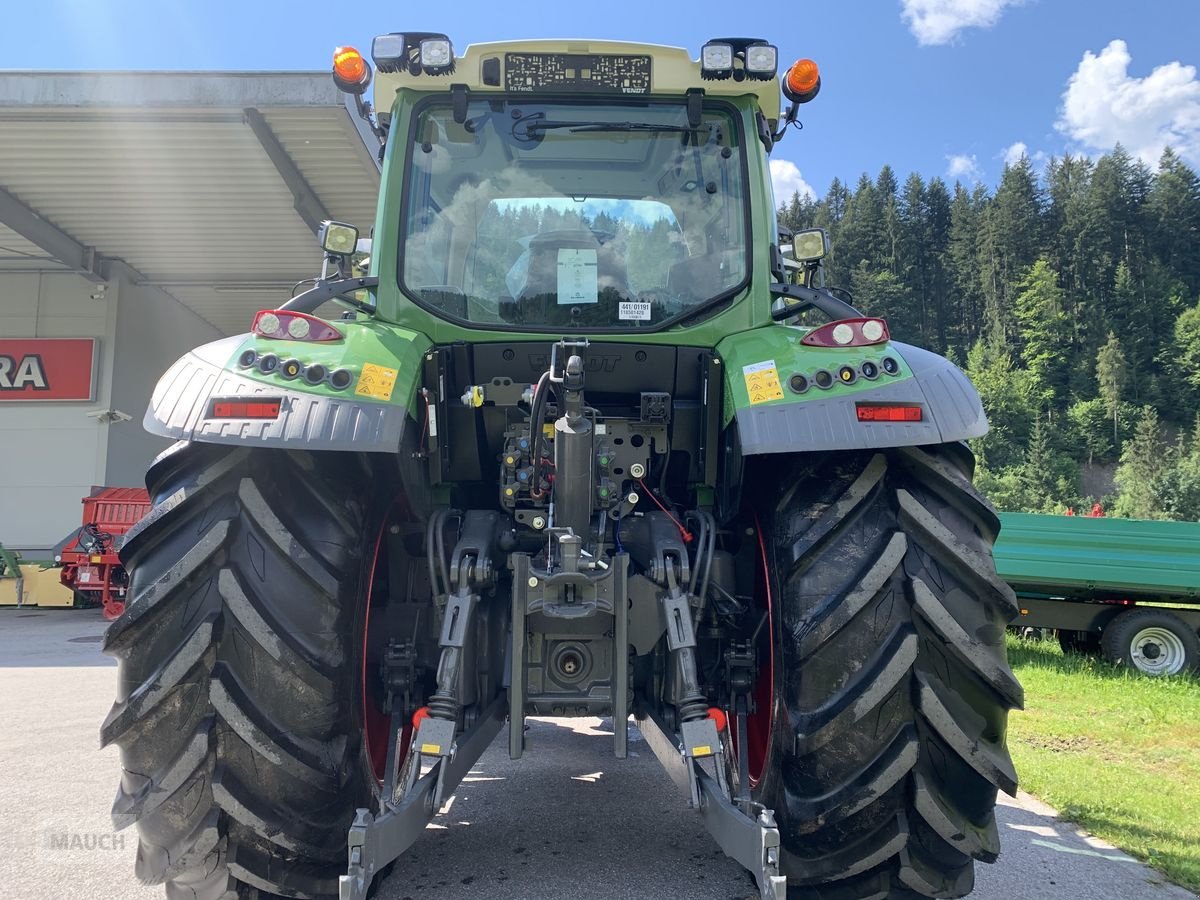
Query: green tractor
{"type": "Point", "coordinates": [586, 438]}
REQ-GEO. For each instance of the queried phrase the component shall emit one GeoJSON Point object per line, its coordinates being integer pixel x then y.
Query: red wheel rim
{"type": "Point", "coordinates": [760, 722]}
{"type": "Point", "coordinates": [376, 722]}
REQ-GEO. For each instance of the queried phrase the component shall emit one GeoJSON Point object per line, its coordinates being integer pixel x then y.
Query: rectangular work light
{"type": "Point", "coordinates": [716, 60]}
{"type": "Point", "coordinates": [437, 56]}
{"type": "Point", "coordinates": [415, 52]}
{"type": "Point", "coordinates": [762, 61]}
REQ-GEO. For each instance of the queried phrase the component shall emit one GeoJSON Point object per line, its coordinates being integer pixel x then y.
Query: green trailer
{"type": "Point", "coordinates": [1127, 588]}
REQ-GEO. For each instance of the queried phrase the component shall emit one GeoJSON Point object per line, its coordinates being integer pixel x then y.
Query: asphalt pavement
{"type": "Point", "coordinates": [568, 820]}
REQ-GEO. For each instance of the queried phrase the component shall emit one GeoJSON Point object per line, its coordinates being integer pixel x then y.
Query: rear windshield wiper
{"type": "Point", "coordinates": [534, 123]}
{"type": "Point", "coordinates": [623, 126]}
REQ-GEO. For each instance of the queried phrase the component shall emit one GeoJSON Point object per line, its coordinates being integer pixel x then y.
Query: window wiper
{"type": "Point", "coordinates": [627, 126]}
{"type": "Point", "coordinates": [531, 124]}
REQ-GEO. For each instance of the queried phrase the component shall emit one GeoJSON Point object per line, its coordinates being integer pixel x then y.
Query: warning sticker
{"type": "Point", "coordinates": [762, 381]}
{"type": "Point", "coordinates": [577, 276]}
{"type": "Point", "coordinates": [376, 382]}
{"type": "Point", "coordinates": [633, 311]}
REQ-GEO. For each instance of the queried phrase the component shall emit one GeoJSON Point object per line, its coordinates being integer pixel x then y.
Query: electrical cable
{"type": "Point", "coordinates": [684, 533]}
{"type": "Point", "coordinates": [701, 546]}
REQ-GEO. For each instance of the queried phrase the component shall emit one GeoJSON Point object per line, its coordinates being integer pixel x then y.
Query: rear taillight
{"type": "Point", "coordinates": [245, 409]}
{"type": "Point", "coordinates": [889, 412]}
{"type": "Point", "coordinates": [848, 333]}
{"type": "Point", "coordinates": [293, 326]}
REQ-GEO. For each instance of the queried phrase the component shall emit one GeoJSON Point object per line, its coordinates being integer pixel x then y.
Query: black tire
{"type": "Point", "coordinates": [1085, 643]}
{"type": "Point", "coordinates": [892, 681]}
{"type": "Point", "coordinates": [1153, 641]}
{"type": "Point", "coordinates": [238, 709]}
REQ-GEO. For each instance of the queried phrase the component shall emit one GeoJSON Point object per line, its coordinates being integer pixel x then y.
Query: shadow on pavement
{"type": "Point", "coordinates": [51, 638]}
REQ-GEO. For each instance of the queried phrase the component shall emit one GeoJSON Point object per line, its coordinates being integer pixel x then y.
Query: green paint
{"type": "Point", "coordinates": [366, 341]}
{"type": "Point", "coordinates": [781, 345]}
{"type": "Point", "coordinates": [1064, 555]}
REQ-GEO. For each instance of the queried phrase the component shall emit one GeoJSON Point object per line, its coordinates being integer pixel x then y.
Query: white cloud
{"type": "Point", "coordinates": [1019, 150]}
{"type": "Point", "coordinates": [1104, 105]}
{"type": "Point", "coordinates": [787, 180]}
{"type": "Point", "coordinates": [938, 21]}
{"type": "Point", "coordinates": [963, 167]}
{"type": "Point", "coordinates": [1013, 154]}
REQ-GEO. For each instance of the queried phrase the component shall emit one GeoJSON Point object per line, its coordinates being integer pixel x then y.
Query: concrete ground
{"type": "Point", "coordinates": [567, 821]}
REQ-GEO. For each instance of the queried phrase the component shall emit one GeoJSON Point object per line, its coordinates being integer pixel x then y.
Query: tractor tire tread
{"type": "Point", "coordinates": [895, 684]}
{"type": "Point", "coordinates": [241, 760]}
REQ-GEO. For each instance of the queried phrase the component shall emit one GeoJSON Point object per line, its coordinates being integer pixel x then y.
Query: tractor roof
{"type": "Point", "coordinates": [492, 68]}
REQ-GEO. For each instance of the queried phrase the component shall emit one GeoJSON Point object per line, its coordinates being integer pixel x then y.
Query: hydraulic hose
{"type": "Point", "coordinates": [537, 415]}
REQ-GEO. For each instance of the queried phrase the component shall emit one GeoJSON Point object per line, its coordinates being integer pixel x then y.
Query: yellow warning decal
{"type": "Point", "coordinates": [431, 749]}
{"type": "Point", "coordinates": [702, 750]}
{"type": "Point", "coordinates": [376, 382]}
{"type": "Point", "coordinates": [762, 381]}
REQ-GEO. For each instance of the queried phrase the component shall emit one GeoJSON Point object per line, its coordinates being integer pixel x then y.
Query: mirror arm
{"type": "Point", "coordinates": [323, 291]}
{"type": "Point", "coordinates": [788, 117]}
{"type": "Point", "coordinates": [809, 298]}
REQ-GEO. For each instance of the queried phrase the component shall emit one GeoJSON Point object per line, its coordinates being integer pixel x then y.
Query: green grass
{"type": "Point", "coordinates": [1115, 751]}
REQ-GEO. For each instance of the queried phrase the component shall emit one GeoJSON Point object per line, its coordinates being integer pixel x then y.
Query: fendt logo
{"type": "Point", "coordinates": [594, 362]}
{"type": "Point", "coordinates": [28, 372]}
{"type": "Point", "coordinates": [41, 369]}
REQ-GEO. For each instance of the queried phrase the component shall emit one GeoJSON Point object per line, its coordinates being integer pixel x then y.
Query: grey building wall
{"type": "Point", "coordinates": [51, 454]}
{"type": "Point", "coordinates": [153, 330]}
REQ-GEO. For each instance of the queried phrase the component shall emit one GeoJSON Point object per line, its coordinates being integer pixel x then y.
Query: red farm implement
{"type": "Point", "coordinates": [90, 566]}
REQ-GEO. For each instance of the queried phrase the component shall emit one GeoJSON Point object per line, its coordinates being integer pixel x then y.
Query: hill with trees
{"type": "Point", "coordinates": [1071, 297]}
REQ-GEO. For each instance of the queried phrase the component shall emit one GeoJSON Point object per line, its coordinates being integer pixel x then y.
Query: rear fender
{"type": "Point", "coordinates": [369, 414]}
{"type": "Point", "coordinates": [770, 415]}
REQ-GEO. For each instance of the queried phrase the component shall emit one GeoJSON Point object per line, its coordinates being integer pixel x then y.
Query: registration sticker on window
{"type": "Point", "coordinates": [633, 311]}
{"type": "Point", "coordinates": [577, 276]}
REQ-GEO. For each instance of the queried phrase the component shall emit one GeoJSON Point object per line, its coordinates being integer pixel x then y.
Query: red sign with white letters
{"type": "Point", "coordinates": [47, 369]}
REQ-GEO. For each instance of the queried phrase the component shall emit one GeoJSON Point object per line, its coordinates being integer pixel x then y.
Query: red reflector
{"type": "Point", "coordinates": [245, 409]}
{"type": "Point", "coordinates": [888, 412]}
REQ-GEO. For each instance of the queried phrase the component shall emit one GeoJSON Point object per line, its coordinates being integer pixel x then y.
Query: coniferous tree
{"type": "Point", "coordinates": [1174, 212]}
{"type": "Point", "coordinates": [1045, 333]}
{"type": "Point", "coordinates": [1143, 467]}
{"type": "Point", "coordinates": [1112, 376]}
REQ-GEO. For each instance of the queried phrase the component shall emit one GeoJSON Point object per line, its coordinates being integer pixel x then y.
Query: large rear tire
{"type": "Point", "coordinates": [239, 710]}
{"type": "Point", "coordinates": [891, 681]}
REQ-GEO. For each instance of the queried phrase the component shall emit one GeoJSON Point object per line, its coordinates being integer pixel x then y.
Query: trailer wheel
{"type": "Point", "coordinates": [242, 702]}
{"type": "Point", "coordinates": [886, 725]}
{"type": "Point", "coordinates": [1085, 643]}
{"type": "Point", "coordinates": [1153, 641]}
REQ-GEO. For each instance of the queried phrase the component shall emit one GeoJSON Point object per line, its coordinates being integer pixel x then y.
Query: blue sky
{"type": "Point", "coordinates": [941, 87]}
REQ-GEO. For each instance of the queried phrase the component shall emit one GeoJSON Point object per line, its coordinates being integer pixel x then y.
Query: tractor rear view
{"type": "Point", "coordinates": [576, 447]}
